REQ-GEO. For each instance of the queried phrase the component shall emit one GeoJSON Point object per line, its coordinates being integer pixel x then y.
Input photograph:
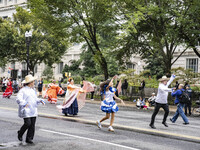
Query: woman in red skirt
{"type": "Point", "coordinates": [9, 90]}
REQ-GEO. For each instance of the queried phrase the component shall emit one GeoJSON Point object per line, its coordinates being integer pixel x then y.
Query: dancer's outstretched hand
{"type": "Point", "coordinates": [115, 77]}
{"type": "Point", "coordinates": [42, 101]}
{"type": "Point", "coordinates": [122, 102]}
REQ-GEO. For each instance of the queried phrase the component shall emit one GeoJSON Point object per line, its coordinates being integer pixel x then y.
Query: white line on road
{"type": "Point", "coordinates": [80, 137]}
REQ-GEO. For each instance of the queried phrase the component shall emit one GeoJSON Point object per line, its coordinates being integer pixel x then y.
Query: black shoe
{"type": "Point", "coordinates": [19, 137]}
{"type": "Point", "coordinates": [152, 126]}
{"type": "Point", "coordinates": [185, 123]}
{"type": "Point", "coordinates": [171, 120]}
{"type": "Point", "coordinates": [29, 141]}
{"type": "Point", "coordinates": [165, 124]}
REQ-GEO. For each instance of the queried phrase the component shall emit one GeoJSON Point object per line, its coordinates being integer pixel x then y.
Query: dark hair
{"type": "Point", "coordinates": [26, 84]}
{"type": "Point", "coordinates": [70, 79]}
{"type": "Point", "coordinates": [102, 85]}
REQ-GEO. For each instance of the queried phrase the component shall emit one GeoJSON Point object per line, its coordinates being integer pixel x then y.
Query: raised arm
{"type": "Point", "coordinates": [171, 79]}
{"type": "Point", "coordinates": [109, 85]}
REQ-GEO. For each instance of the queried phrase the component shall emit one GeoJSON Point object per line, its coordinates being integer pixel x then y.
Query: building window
{"type": "Point", "coordinates": [35, 69]}
{"type": "Point", "coordinates": [130, 66]}
{"type": "Point", "coordinates": [192, 63]}
{"type": "Point", "coordinates": [60, 67]}
{"type": "Point", "coordinates": [1, 1]}
{"type": "Point", "coordinates": [4, 17]}
{"type": "Point", "coordinates": [24, 66]}
{"type": "Point", "coordinates": [13, 65]}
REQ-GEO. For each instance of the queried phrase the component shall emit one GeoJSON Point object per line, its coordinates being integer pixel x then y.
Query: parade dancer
{"type": "Point", "coordinates": [161, 100]}
{"type": "Point", "coordinates": [28, 101]}
{"type": "Point", "coordinates": [108, 105]}
{"type": "Point", "coordinates": [53, 91]}
{"type": "Point", "coordinates": [9, 90]}
{"type": "Point", "coordinates": [70, 104]}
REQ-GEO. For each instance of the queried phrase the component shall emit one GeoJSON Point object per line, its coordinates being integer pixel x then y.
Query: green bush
{"type": "Point", "coordinates": [97, 79]}
{"type": "Point", "coordinates": [77, 79]}
{"type": "Point", "coordinates": [195, 88]}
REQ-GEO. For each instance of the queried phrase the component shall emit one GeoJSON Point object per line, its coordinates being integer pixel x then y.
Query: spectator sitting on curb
{"type": "Point", "coordinates": [152, 99]}
{"type": "Point", "coordinates": [138, 104]}
{"type": "Point", "coordinates": [146, 105]}
{"type": "Point", "coordinates": [141, 103]}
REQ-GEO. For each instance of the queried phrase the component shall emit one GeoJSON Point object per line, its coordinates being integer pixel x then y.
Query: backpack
{"type": "Point", "coordinates": [184, 98]}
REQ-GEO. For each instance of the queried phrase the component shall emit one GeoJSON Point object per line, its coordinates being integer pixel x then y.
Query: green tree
{"type": "Point", "coordinates": [157, 31]}
{"type": "Point", "coordinates": [48, 73]}
{"type": "Point", "coordinates": [190, 25]}
{"type": "Point", "coordinates": [8, 37]}
{"type": "Point", "coordinates": [73, 68]}
{"type": "Point", "coordinates": [154, 64]}
{"type": "Point", "coordinates": [44, 47]}
{"type": "Point", "coordinates": [81, 20]}
{"type": "Point", "coordinates": [88, 63]}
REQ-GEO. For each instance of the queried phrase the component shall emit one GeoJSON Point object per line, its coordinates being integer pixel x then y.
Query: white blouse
{"type": "Point", "coordinates": [109, 96]}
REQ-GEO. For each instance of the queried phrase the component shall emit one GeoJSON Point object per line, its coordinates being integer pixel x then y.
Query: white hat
{"type": "Point", "coordinates": [164, 78]}
{"type": "Point", "coordinates": [29, 78]}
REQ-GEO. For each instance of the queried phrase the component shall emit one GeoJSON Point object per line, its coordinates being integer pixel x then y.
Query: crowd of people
{"type": "Point", "coordinates": [28, 99]}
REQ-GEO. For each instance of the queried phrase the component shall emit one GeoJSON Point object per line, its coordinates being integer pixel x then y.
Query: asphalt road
{"type": "Point", "coordinates": [60, 133]}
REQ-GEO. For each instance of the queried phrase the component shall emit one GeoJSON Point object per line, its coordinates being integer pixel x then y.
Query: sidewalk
{"type": "Point", "coordinates": [130, 104]}
{"type": "Point", "coordinates": [172, 108]}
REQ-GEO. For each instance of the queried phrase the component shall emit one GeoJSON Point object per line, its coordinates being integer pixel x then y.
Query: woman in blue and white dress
{"type": "Point", "coordinates": [109, 105]}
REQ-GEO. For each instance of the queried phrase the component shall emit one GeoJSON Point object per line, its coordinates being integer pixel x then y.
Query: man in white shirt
{"type": "Point", "coordinates": [28, 101]}
{"type": "Point", "coordinates": [161, 100]}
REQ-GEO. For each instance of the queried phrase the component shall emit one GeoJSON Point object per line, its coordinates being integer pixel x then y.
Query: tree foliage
{"type": "Point", "coordinates": [80, 20]}
{"type": "Point", "coordinates": [44, 47]}
{"type": "Point", "coordinates": [8, 37]}
{"type": "Point", "coordinates": [158, 32]}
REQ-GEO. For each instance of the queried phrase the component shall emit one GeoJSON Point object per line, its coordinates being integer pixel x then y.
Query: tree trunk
{"type": "Point", "coordinates": [31, 68]}
{"type": "Point", "coordinates": [168, 68]}
{"type": "Point", "coordinates": [104, 66]}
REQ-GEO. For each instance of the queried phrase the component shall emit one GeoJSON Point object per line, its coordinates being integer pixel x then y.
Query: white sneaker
{"type": "Point", "coordinates": [98, 124]}
{"type": "Point", "coordinates": [92, 99]}
{"type": "Point", "coordinates": [110, 128]}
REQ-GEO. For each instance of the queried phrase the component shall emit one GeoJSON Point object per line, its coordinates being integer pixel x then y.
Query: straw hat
{"type": "Point", "coordinates": [28, 79]}
{"type": "Point", "coordinates": [164, 78]}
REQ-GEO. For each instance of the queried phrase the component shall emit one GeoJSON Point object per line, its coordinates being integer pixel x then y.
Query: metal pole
{"type": "Point", "coordinates": [27, 54]}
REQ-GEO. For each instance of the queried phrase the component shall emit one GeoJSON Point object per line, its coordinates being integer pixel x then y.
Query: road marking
{"type": "Point", "coordinates": [85, 138]}
{"type": "Point", "coordinates": [143, 130]}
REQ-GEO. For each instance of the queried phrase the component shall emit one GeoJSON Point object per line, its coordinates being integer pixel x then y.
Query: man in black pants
{"type": "Point", "coordinates": [161, 100]}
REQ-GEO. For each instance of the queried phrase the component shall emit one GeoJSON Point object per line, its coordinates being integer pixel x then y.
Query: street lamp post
{"type": "Point", "coordinates": [28, 36]}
